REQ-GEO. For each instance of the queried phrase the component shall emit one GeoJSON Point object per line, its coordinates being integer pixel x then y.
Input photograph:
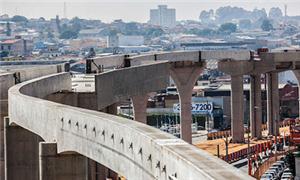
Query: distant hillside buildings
{"type": "Point", "coordinates": [163, 16]}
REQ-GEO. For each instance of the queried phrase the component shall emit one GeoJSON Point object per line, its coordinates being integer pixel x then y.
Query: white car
{"type": "Point", "coordinates": [267, 177]}
{"type": "Point", "coordinates": [287, 170]}
{"type": "Point", "coordinates": [279, 166]}
{"type": "Point", "coordinates": [273, 172]}
{"type": "Point", "coordinates": [287, 176]}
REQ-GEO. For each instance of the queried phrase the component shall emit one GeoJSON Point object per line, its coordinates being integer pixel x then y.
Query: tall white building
{"type": "Point", "coordinates": [163, 16]}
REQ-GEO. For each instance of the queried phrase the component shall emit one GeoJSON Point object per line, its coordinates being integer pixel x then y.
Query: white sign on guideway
{"type": "Point", "coordinates": [196, 108]}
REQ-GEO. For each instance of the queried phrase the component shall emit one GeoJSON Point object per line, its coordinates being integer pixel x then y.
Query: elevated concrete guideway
{"type": "Point", "coordinates": [9, 76]}
{"type": "Point", "coordinates": [148, 73]}
{"type": "Point", "coordinates": [128, 147]}
{"type": "Point", "coordinates": [118, 61]}
{"type": "Point", "coordinates": [132, 149]}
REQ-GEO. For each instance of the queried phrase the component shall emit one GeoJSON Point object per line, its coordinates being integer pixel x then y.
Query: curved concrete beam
{"type": "Point", "coordinates": [115, 86]}
{"type": "Point", "coordinates": [195, 56]}
{"type": "Point", "coordinates": [132, 149]}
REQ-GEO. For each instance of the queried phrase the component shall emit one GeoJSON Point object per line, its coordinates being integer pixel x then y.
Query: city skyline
{"type": "Point", "coordinates": [107, 11]}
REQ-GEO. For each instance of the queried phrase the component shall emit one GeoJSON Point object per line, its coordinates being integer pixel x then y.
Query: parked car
{"type": "Point", "coordinates": [287, 170]}
{"type": "Point", "coordinates": [267, 177]}
{"type": "Point", "coordinates": [273, 173]}
{"type": "Point", "coordinates": [279, 166]}
{"type": "Point", "coordinates": [287, 176]}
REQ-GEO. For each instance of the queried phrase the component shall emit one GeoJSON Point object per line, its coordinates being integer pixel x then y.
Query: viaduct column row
{"type": "Point", "coordinates": [185, 77]}
{"type": "Point", "coordinates": [236, 69]}
{"type": "Point", "coordinates": [237, 103]}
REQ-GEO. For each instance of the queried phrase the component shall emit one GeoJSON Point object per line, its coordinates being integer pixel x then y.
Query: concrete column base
{"type": "Point", "coordinates": [21, 153]}
{"type": "Point", "coordinates": [61, 166]}
{"type": "Point", "coordinates": [140, 108]}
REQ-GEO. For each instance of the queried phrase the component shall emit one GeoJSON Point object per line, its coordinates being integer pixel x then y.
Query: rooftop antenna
{"type": "Point", "coordinates": [285, 10]}
{"type": "Point", "coordinates": [285, 14]}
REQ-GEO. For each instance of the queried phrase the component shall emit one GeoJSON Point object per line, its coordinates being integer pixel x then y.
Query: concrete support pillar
{"type": "Point", "coordinates": [140, 108]}
{"type": "Point", "coordinates": [272, 103]}
{"type": "Point", "coordinates": [21, 153]}
{"type": "Point", "coordinates": [100, 172]}
{"type": "Point", "coordinates": [70, 166]}
{"type": "Point", "coordinates": [3, 113]}
{"type": "Point", "coordinates": [297, 74]}
{"type": "Point", "coordinates": [185, 75]}
{"type": "Point", "coordinates": [237, 109]}
{"type": "Point", "coordinates": [255, 107]}
{"type": "Point", "coordinates": [6, 81]}
{"type": "Point", "coordinates": [297, 165]}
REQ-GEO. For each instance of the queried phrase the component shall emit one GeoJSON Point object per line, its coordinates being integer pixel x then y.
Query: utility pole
{"type": "Point", "coordinates": [248, 148]}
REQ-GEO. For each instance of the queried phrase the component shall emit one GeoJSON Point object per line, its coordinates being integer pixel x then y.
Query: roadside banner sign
{"type": "Point", "coordinates": [196, 108]}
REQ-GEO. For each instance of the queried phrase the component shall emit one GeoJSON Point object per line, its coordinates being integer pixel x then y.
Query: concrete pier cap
{"type": "Point", "coordinates": [185, 75]}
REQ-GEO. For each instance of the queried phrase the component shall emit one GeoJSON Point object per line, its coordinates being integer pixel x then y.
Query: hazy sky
{"type": "Point", "coordinates": [131, 10]}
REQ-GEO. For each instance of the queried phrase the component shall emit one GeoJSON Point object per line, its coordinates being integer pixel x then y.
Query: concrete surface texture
{"type": "Point", "coordinates": [53, 166]}
{"type": "Point", "coordinates": [21, 153]}
{"type": "Point", "coordinates": [185, 74]}
{"type": "Point", "coordinates": [121, 84]}
{"type": "Point", "coordinates": [297, 74]}
{"type": "Point", "coordinates": [140, 108]}
{"type": "Point", "coordinates": [132, 149]}
{"type": "Point", "coordinates": [255, 107]}
{"type": "Point", "coordinates": [8, 79]}
{"type": "Point", "coordinates": [196, 56]}
{"type": "Point", "coordinates": [272, 103]}
{"type": "Point", "coordinates": [237, 109]}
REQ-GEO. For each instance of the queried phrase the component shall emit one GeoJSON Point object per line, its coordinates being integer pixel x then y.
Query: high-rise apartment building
{"type": "Point", "coordinates": [163, 16]}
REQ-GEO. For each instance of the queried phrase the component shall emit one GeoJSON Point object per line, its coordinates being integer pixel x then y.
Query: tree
{"type": "Point", "coordinates": [8, 29]}
{"type": "Point", "coordinates": [153, 32]}
{"type": "Point", "coordinates": [131, 29]}
{"type": "Point", "coordinates": [18, 18]}
{"type": "Point", "coordinates": [227, 28]}
{"type": "Point", "coordinates": [76, 23]}
{"type": "Point", "coordinates": [275, 13]}
{"type": "Point", "coordinates": [245, 24]}
{"type": "Point", "coordinates": [266, 25]}
{"type": "Point", "coordinates": [206, 16]}
{"type": "Point", "coordinates": [50, 35]}
{"type": "Point", "coordinates": [207, 32]}
{"type": "Point", "coordinates": [69, 34]}
{"type": "Point", "coordinates": [4, 54]}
